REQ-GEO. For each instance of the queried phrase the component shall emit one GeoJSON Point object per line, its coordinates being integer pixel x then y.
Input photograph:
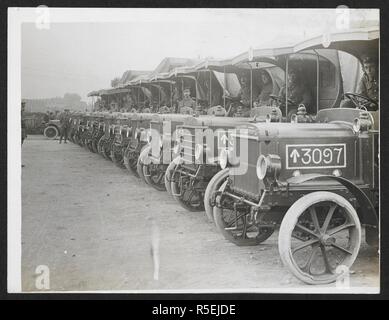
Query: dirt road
{"type": "Point", "coordinates": [93, 225]}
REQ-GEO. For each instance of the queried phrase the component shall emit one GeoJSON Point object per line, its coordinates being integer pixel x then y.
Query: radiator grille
{"type": "Point", "coordinates": [247, 182]}
{"type": "Point", "coordinates": [188, 146]}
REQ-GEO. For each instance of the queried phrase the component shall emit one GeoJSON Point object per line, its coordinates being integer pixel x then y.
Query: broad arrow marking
{"type": "Point", "coordinates": [295, 155]}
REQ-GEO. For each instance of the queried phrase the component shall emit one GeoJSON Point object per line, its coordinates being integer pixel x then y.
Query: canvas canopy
{"type": "Point", "coordinates": [170, 63]}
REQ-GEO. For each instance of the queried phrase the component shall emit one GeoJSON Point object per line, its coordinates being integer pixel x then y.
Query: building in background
{"type": "Point", "coordinates": [69, 100]}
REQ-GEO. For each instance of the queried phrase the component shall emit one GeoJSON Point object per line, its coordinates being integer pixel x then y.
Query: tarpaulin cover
{"type": "Point", "coordinates": [130, 75]}
{"type": "Point", "coordinates": [170, 63]}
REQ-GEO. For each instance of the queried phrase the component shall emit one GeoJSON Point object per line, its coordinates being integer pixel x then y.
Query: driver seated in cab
{"type": "Point", "coordinates": [243, 109]}
{"type": "Point", "coordinates": [298, 92]}
{"type": "Point", "coordinates": [263, 98]}
{"type": "Point", "coordinates": [368, 85]}
{"type": "Point", "coordinates": [187, 104]}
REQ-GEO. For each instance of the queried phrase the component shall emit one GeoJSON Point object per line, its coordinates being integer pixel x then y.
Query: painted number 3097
{"type": "Point", "coordinates": [316, 156]}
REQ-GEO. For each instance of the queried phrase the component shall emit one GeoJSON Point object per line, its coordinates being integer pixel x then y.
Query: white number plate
{"type": "Point", "coordinates": [315, 156]}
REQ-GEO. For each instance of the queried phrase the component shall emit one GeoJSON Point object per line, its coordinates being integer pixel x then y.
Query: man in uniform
{"type": "Point", "coordinates": [297, 90]}
{"type": "Point", "coordinates": [263, 98]}
{"type": "Point", "coordinates": [46, 117]}
{"type": "Point", "coordinates": [368, 85]}
{"type": "Point", "coordinates": [187, 104]}
{"type": "Point", "coordinates": [245, 94]}
{"type": "Point", "coordinates": [65, 123]}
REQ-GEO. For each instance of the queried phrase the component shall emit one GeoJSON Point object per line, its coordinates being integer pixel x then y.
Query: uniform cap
{"type": "Point", "coordinates": [369, 59]}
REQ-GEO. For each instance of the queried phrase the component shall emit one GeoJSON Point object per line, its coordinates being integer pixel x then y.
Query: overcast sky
{"type": "Point", "coordinates": [79, 57]}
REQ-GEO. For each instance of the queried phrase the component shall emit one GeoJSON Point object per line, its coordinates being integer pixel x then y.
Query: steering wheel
{"type": "Point", "coordinates": [361, 101]}
{"type": "Point", "coordinates": [280, 100]}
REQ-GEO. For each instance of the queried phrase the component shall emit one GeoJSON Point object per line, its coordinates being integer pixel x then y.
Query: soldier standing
{"type": "Point", "coordinates": [46, 117]}
{"type": "Point", "coordinates": [64, 121]}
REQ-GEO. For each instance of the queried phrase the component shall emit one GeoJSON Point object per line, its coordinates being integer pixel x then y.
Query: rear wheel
{"type": "Point", "coordinates": [51, 132]}
{"type": "Point", "coordinates": [130, 161]}
{"type": "Point", "coordinates": [213, 185]}
{"type": "Point", "coordinates": [319, 233]}
{"type": "Point", "coordinates": [86, 141]}
{"type": "Point", "coordinates": [100, 145]}
{"type": "Point", "coordinates": [116, 156]}
{"type": "Point", "coordinates": [81, 139]}
{"type": "Point", "coordinates": [89, 145]}
{"type": "Point", "coordinates": [94, 145]}
{"type": "Point", "coordinates": [126, 159]}
{"type": "Point", "coordinates": [106, 150]}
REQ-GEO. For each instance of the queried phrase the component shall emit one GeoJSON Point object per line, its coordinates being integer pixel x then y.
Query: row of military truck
{"type": "Point", "coordinates": [311, 171]}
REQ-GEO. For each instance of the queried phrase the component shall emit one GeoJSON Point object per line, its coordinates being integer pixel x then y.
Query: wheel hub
{"type": "Point", "coordinates": [327, 240]}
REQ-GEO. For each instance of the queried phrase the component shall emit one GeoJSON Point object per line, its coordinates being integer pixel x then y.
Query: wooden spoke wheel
{"type": "Point", "coordinates": [51, 132]}
{"type": "Point", "coordinates": [320, 232]}
{"type": "Point", "coordinates": [117, 156]}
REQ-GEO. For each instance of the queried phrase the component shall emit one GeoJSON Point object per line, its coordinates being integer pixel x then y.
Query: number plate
{"type": "Point", "coordinates": [315, 156]}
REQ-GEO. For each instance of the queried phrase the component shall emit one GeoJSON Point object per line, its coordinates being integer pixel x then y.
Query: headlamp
{"type": "Point", "coordinates": [198, 151]}
{"type": "Point", "coordinates": [177, 147]}
{"type": "Point", "coordinates": [356, 125]}
{"type": "Point", "coordinates": [223, 158]}
{"type": "Point", "coordinates": [364, 122]}
{"type": "Point", "coordinates": [268, 166]}
{"type": "Point", "coordinates": [143, 135]}
{"type": "Point", "coordinates": [148, 137]}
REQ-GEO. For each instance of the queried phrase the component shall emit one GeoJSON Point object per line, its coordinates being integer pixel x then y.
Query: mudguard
{"type": "Point", "coordinates": [143, 157]}
{"type": "Point", "coordinates": [369, 214]}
